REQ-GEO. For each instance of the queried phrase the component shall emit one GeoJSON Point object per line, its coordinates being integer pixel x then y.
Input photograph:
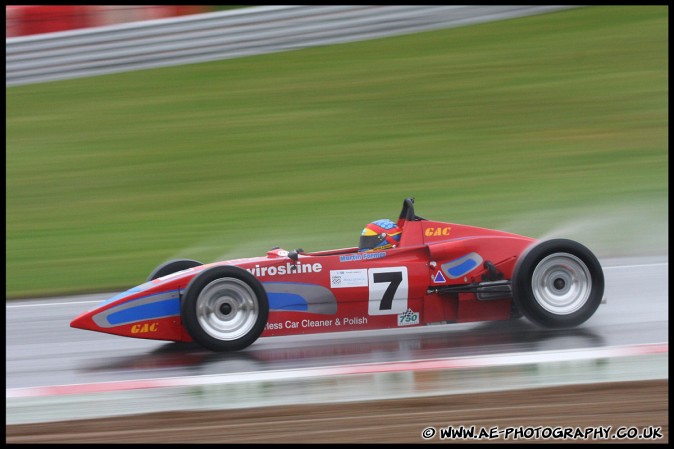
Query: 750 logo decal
{"type": "Point", "coordinates": [408, 318]}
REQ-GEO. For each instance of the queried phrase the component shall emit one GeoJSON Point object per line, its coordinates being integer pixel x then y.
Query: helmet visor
{"type": "Point", "coordinates": [370, 241]}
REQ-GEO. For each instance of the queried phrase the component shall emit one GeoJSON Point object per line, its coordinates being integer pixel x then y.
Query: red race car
{"type": "Point", "coordinates": [412, 272]}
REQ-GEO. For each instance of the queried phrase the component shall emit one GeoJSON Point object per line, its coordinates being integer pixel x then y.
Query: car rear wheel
{"type": "Point", "coordinates": [172, 266]}
{"type": "Point", "coordinates": [225, 308]}
{"type": "Point", "coordinates": [558, 283]}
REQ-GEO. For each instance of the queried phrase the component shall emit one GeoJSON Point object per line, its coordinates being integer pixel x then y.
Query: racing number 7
{"type": "Point", "coordinates": [388, 289]}
{"type": "Point", "coordinates": [395, 278]}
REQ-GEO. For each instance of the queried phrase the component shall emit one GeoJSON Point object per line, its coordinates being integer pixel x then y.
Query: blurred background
{"type": "Point", "coordinates": [548, 125]}
{"type": "Point", "coordinates": [27, 20]}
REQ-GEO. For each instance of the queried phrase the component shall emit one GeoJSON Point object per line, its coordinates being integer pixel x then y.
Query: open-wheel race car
{"type": "Point", "coordinates": [412, 272]}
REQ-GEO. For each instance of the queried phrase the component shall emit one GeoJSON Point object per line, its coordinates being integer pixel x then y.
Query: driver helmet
{"type": "Point", "coordinates": [379, 235]}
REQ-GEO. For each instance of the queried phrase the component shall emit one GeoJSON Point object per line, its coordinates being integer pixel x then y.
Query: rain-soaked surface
{"type": "Point", "coordinates": [43, 350]}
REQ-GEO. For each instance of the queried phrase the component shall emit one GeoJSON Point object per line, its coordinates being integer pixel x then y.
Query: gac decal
{"type": "Point", "coordinates": [144, 328]}
{"type": "Point", "coordinates": [436, 232]}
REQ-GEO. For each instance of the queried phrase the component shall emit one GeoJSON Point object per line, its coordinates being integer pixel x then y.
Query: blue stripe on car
{"type": "Point", "coordinates": [462, 265]}
{"type": "Point", "coordinates": [157, 309]}
{"type": "Point", "coordinates": [287, 301]}
{"type": "Point", "coordinates": [462, 268]}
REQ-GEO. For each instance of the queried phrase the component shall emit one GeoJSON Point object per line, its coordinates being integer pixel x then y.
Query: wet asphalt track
{"type": "Point", "coordinates": [43, 350]}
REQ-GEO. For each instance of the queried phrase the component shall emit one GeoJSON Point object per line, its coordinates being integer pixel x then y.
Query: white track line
{"type": "Point", "coordinates": [637, 266]}
{"type": "Point", "coordinates": [55, 303]}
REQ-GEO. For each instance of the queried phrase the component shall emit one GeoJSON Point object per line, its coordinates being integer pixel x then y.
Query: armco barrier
{"type": "Point", "coordinates": [227, 34]}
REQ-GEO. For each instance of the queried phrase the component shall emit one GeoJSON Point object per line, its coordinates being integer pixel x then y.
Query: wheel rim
{"type": "Point", "coordinates": [227, 309]}
{"type": "Point", "coordinates": [561, 283]}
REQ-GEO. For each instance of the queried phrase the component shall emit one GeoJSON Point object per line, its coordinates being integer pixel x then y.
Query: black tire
{"type": "Point", "coordinates": [515, 314]}
{"type": "Point", "coordinates": [558, 283]}
{"type": "Point", "coordinates": [172, 266]}
{"type": "Point", "coordinates": [224, 308]}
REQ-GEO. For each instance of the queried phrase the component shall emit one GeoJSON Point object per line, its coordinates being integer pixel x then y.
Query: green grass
{"type": "Point", "coordinates": [523, 125]}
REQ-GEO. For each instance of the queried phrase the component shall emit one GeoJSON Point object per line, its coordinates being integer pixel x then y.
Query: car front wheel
{"type": "Point", "coordinates": [558, 283]}
{"type": "Point", "coordinates": [225, 308]}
